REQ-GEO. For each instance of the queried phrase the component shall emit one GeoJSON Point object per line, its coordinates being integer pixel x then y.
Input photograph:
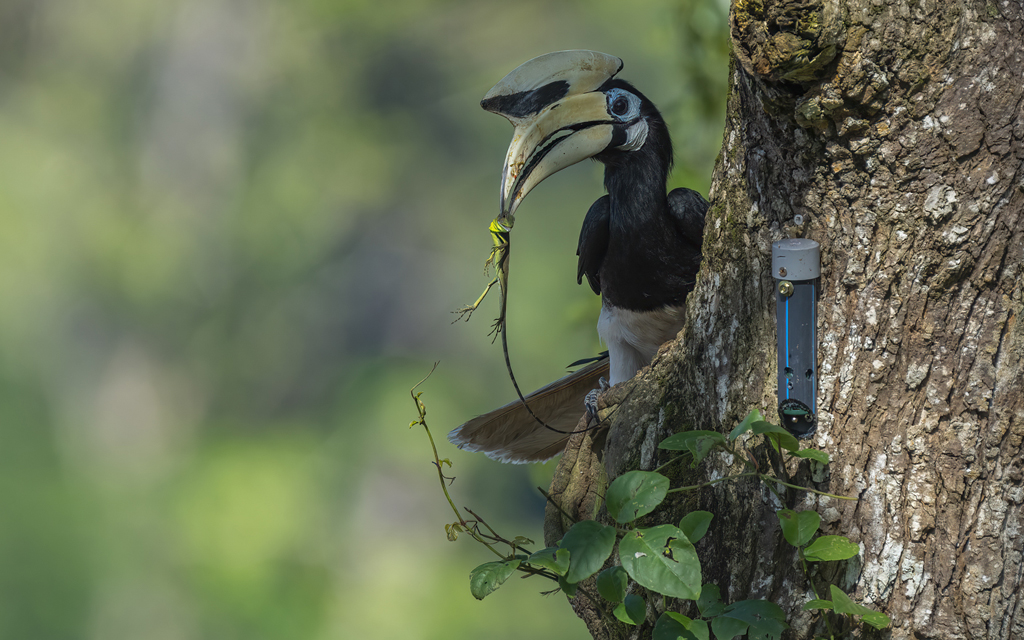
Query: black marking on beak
{"type": "Point", "coordinates": [526, 103]}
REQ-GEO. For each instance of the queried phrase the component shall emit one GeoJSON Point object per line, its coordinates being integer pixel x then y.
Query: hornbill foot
{"type": "Point", "coordinates": [590, 402]}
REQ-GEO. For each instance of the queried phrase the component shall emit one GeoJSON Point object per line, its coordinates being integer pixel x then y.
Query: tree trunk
{"type": "Point", "coordinates": [897, 131]}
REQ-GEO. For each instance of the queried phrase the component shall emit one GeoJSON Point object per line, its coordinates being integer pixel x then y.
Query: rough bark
{"type": "Point", "coordinates": [897, 131]}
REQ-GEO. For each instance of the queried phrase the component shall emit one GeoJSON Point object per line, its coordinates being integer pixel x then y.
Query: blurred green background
{"type": "Point", "coordinates": [232, 233]}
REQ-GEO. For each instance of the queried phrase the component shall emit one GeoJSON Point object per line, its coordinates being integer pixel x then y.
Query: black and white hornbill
{"type": "Point", "coordinates": [639, 248]}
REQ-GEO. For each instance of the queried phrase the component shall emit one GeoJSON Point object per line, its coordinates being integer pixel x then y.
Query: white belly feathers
{"type": "Point", "coordinates": [633, 337]}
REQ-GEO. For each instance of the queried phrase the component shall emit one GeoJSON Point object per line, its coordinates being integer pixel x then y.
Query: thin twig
{"type": "Point", "coordinates": [565, 513]}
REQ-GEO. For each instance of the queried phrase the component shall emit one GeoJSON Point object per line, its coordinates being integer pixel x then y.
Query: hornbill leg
{"type": "Point", "coordinates": [590, 402]}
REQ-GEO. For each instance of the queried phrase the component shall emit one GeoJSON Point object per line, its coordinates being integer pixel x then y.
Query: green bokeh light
{"type": "Point", "coordinates": [231, 235]}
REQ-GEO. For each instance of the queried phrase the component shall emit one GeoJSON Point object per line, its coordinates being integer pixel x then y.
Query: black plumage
{"type": "Point", "coordinates": [639, 247]}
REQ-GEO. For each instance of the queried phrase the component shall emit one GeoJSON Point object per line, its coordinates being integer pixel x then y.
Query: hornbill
{"type": "Point", "coordinates": [639, 247]}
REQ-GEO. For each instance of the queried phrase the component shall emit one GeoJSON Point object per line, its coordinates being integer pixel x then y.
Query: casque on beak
{"type": "Point", "coordinates": [559, 116]}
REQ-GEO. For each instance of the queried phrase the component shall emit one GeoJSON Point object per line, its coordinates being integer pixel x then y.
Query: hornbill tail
{"type": "Point", "coordinates": [511, 434]}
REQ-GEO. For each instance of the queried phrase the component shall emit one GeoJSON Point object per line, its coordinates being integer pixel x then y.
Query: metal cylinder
{"type": "Point", "coordinates": [796, 267]}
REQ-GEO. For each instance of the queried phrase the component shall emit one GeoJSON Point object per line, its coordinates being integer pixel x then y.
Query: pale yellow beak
{"type": "Point", "coordinates": [570, 130]}
{"type": "Point", "coordinates": [559, 116]}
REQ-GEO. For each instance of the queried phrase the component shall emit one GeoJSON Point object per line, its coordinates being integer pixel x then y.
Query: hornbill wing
{"type": "Point", "coordinates": [593, 243]}
{"type": "Point", "coordinates": [688, 208]}
{"type": "Point", "coordinates": [511, 434]}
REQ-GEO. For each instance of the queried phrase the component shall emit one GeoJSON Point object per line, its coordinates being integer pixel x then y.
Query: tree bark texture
{"type": "Point", "coordinates": [896, 130]}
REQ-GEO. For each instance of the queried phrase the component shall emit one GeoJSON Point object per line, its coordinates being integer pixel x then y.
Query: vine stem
{"type": "Point", "coordinates": [807, 574]}
{"type": "Point", "coordinates": [768, 478]}
{"type": "Point", "coordinates": [422, 410]}
{"type": "Point", "coordinates": [763, 476]}
{"type": "Point", "coordinates": [694, 487]}
{"type": "Point", "coordinates": [670, 461]}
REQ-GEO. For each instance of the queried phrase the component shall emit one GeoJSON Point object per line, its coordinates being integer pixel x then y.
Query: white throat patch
{"type": "Point", "coordinates": [636, 135]}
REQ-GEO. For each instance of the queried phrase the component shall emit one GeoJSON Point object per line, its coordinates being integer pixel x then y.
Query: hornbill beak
{"type": "Point", "coordinates": [560, 117]}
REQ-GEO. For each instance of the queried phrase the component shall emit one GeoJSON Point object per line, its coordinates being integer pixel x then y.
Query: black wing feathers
{"type": "Point", "coordinates": [688, 208]}
{"type": "Point", "coordinates": [593, 243]}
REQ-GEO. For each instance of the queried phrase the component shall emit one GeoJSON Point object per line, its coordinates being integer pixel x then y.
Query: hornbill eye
{"type": "Point", "coordinates": [623, 105]}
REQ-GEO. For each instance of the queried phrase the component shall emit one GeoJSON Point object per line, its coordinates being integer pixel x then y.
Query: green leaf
{"type": "Point", "coordinates": [663, 560]}
{"type": "Point", "coordinates": [700, 629]}
{"type": "Point", "coordinates": [453, 530]}
{"type": "Point", "coordinates": [876, 619]}
{"type": "Point", "coordinates": [743, 427]}
{"type": "Point", "coordinates": [552, 558]}
{"type": "Point", "coordinates": [698, 443]}
{"type": "Point", "coordinates": [589, 544]}
{"type": "Point", "coordinates": [710, 601]}
{"type": "Point", "coordinates": [487, 577]}
{"type": "Point", "coordinates": [798, 526]}
{"type": "Point", "coordinates": [569, 588]}
{"type": "Point", "coordinates": [633, 610]}
{"type": "Point", "coordinates": [844, 604]}
{"type": "Point", "coordinates": [831, 548]}
{"type": "Point", "coordinates": [620, 612]}
{"type": "Point", "coordinates": [816, 604]}
{"type": "Point", "coordinates": [695, 524]}
{"type": "Point", "coordinates": [727, 628]}
{"type": "Point", "coordinates": [766, 620]}
{"type": "Point", "coordinates": [671, 626]}
{"type": "Point", "coordinates": [635, 494]}
{"type": "Point", "coordinates": [813, 454]}
{"type": "Point", "coordinates": [781, 439]}
{"type": "Point", "coordinates": [611, 584]}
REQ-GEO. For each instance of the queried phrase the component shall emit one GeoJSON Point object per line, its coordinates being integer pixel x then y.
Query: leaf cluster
{"type": "Point", "coordinates": [663, 560]}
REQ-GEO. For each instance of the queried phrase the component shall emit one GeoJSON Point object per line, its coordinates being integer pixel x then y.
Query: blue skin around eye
{"type": "Point", "coordinates": [634, 104]}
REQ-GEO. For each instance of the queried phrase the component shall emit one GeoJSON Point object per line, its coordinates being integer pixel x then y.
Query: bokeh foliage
{"type": "Point", "coordinates": [231, 234]}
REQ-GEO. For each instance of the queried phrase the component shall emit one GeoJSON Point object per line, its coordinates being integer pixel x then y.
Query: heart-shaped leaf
{"type": "Point", "coordinates": [611, 584]}
{"type": "Point", "coordinates": [698, 443]}
{"type": "Point", "coordinates": [798, 526]}
{"type": "Point", "coordinates": [831, 548]}
{"type": "Point", "coordinates": [489, 576]}
{"type": "Point", "coordinates": [671, 626]}
{"type": "Point", "coordinates": [727, 628]}
{"type": "Point", "coordinates": [813, 454]}
{"type": "Point", "coordinates": [780, 438]}
{"type": "Point", "coordinates": [569, 588]}
{"type": "Point", "coordinates": [633, 610]}
{"type": "Point", "coordinates": [663, 560]}
{"type": "Point", "coordinates": [589, 544]}
{"type": "Point", "coordinates": [743, 427]}
{"type": "Point", "coordinates": [710, 601]}
{"type": "Point", "coordinates": [635, 494]}
{"type": "Point", "coordinates": [695, 524]}
{"type": "Point", "coordinates": [765, 620]}
{"type": "Point", "coordinates": [552, 558]}
{"type": "Point", "coordinates": [842, 603]}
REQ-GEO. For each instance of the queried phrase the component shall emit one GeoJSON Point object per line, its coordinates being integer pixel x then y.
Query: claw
{"type": "Point", "coordinates": [590, 402]}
